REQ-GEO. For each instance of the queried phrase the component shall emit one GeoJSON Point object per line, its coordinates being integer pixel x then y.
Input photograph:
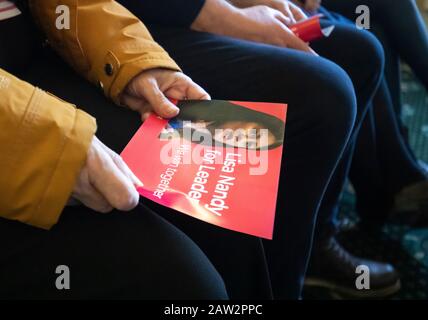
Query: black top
{"type": "Point", "coordinates": [20, 42]}
{"type": "Point", "coordinates": [179, 13]}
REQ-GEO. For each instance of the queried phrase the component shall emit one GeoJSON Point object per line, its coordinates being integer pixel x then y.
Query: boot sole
{"type": "Point", "coordinates": [347, 293]}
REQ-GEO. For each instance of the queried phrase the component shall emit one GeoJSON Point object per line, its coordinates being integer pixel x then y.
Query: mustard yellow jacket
{"type": "Point", "coordinates": [44, 140]}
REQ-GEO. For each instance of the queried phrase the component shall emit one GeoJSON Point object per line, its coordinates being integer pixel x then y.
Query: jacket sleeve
{"type": "Point", "coordinates": [43, 146]}
{"type": "Point", "coordinates": [105, 42]}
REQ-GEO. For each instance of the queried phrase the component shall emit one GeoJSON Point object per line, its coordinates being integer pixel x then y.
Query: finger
{"type": "Point", "coordinates": [126, 171]}
{"type": "Point", "coordinates": [116, 187]}
{"type": "Point", "coordinates": [137, 104]}
{"type": "Point", "coordinates": [288, 13]}
{"type": "Point", "coordinates": [132, 102]}
{"type": "Point", "coordinates": [94, 200]}
{"type": "Point", "coordinates": [158, 101]}
{"type": "Point", "coordinates": [191, 92]}
{"type": "Point", "coordinates": [176, 93]}
{"type": "Point", "coordinates": [283, 19]}
{"type": "Point", "coordinates": [195, 92]}
{"type": "Point", "coordinates": [297, 12]}
{"type": "Point", "coordinates": [145, 115]}
{"type": "Point", "coordinates": [86, 194]}
{"type": "Point", "coordinates": [117, 159]}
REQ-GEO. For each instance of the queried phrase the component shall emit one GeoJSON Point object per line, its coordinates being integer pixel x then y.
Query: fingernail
{"type": "Point", "coordinates": [139, 183]}
{"type": "Point", "coordinates": [173, 111]}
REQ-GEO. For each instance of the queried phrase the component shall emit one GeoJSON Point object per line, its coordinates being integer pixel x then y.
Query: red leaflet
{"type": "Point", "coordinates": [310, 29]}
{"type": "Point", "coordinates": [218, 161]}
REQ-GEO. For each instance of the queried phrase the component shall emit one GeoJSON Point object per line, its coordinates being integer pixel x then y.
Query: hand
{"type": "Point", "coordinates": [105, 182]}
{"type": "Point", "coordinates": [259, 24]}
{"type": "Point", "coordinates": [309, 5]}
{"type": "Point", "coordinates": [150, 90]}
{"type": "Point", "coordinates": [312, 5]}
{"type": "Point", "coordinates": [287, 8]}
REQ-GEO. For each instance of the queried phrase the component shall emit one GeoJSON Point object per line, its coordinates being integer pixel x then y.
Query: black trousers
{"type": "Point", "coordinates": [234, 69]}
{"type": "Point", "coordinates": [136, 255]}
{"type": "Point", "coordinates": [320, 122]}
{"type": "Point", "coordinates": [383, 163]}
{"type": "Point", "coordinates": [317, 132]}
{"type": "Point", "coordinates": [401, 30]}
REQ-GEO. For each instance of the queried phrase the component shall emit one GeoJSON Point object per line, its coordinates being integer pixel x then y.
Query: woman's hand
{"type": "Point", "coordinates": [287, 8]}
{"type": "Point", "coordinates": [309, 5]}
{"type": "Point", "coordinates": [312, 5]}
{"type": "Point", "coordinates": [152, 89]}
{"type": "Point", "coordinates": [259, 24]}
{"type": "Point", "coordinates": [105, 182]}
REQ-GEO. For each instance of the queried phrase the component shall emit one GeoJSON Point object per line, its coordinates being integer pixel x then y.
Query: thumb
{"type": "Point", "coordinates": [108, 180]}
{"type": "Point", "coordinates": [161, 105]}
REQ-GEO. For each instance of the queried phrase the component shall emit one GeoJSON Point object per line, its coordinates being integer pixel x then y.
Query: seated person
{"type": "Point", "coordinates": [49, 154]}
{"type": "Point", "coordinates": [404, 35]}
{"type": "Point", "coordinates": [389, 181]}
{"type": "Point", "coordinates": [247, 52]}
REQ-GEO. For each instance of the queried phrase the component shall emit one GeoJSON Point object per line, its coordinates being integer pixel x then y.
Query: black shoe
{"type": "Point", "coordinates": [333, 268]}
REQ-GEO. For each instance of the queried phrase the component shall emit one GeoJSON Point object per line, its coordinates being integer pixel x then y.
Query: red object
{"type": "Point", "coordinates": [222, 192]}
{"type": "Point", "coordinates": [310, 29]}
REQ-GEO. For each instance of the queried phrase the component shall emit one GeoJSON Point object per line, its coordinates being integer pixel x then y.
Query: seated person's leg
{"type": "Point", "coordinates": [321, 112]}
{"type": "Point", "coordinates": [393, 181]}
{"type": "Point", "coordinates": [331, 265]}
{"type": "Point", "coordinates": [264, 73]}
{"type": "Point", "coordinates": [237, 257]}
{"type": "Point", "coordinates": [350, 49]}
{"type": "Point", "coordinates": [392, 73]}
{"type": "Point", "coordinates": [385, 161]}
{"type": "Point", "coordinates": [120, 255]}
{"type": "Point", "coordinates": [135, 255]}
{"type": "Point", "coordinates": [361, 55]}
{"type": "Point", "coordinates": [403, 25]}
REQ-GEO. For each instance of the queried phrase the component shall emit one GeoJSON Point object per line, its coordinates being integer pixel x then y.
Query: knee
{"type": "Point", "coordinates": [318, 90]}
{"type": "Point", "coordinates": [185, 270]}
{"type": "Point", "coordinates": [334, 98]}
{"type": "Point", "coordinates": [164, 263]}
{"type": "Point", "coordinates": [194, 276]}
{"type": "Point", "coordinates": [319, 93]}
{"type": "Point", "coordinates": [368, 56]}
{"type": "Point", "coordinates": [374, 51]}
